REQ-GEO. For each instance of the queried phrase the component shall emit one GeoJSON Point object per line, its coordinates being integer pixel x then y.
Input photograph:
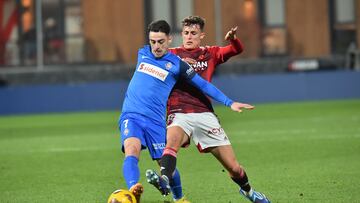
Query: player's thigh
{"type": "Point", "coordinates": [155, 137]}
{"type": "Point", "coordinates": [131, 128]}
{"type": "Point", "coordinates": [180, 128]}
{"type": "Point", "coordinates": [176, 137]}
{"type": "Point", "coordinates": [208, 132]}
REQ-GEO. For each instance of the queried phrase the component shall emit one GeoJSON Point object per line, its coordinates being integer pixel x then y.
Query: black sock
{"type": "Point", "coordinates": [243, 182]}
{"type": "Point", "coordinates": [168, 163]}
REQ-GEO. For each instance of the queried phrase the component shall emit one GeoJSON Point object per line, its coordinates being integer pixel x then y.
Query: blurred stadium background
{"type": "Point", "coordinates": [79, 54]}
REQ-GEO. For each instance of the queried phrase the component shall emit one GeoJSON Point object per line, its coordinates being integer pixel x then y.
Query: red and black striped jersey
{"type": "Point", "coordinates": [186, 98]}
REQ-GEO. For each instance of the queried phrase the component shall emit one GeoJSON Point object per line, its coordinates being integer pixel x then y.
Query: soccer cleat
{"type": "Point", "coordinates": [255, 197]}
{"type": "Point", "coordinates": [160, 182]}
{"type": "Point", "coordinates": [137, 190]}
{"type": "Point", "coordinates": [182, 200]}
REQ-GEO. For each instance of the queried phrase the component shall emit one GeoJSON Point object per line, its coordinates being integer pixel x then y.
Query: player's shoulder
{"type": "Point", "coordinates": [144, 50]}
{"type": "Point", "coordinates": [175, 50]}
{"type": "Point", "coordinates": [173, 56]}
{"type": "Point", "coordinates": [208, 52]}
{"type": "Point", "coordinates": [211, 48]}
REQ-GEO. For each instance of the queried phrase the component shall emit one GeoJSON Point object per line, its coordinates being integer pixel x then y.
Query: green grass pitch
{"type": "Point", "coordinates": [293, 152]}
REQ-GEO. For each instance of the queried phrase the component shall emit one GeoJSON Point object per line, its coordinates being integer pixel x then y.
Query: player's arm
{"type": "Point", "coordinates": [209, 89]}
{"type": "Point", "coordinates": [234, 48]}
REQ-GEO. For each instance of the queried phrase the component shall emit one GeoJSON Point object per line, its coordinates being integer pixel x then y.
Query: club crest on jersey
{"type": "Point", "coordinates": [168, 66]}
{"type": "Point", "coordinates": [126, 132]}
{"type": "Point", "coordinates": [170, 119]}
{"type": "Point", "coordinates": [153, 71]}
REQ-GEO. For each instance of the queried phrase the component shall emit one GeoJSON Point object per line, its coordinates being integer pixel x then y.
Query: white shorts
{"type": "Point", "coordinates": [203, 128]}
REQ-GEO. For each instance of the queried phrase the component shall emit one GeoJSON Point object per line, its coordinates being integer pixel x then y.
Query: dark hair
{"type": "Point", "coordinates": [194, 20]}
{"type": "Point", "coordinates": [159, 26]}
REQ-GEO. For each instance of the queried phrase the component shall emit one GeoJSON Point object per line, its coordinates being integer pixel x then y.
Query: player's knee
{"type": "Point", "coordinates": [174, 140]}
{"type": "Point", "coordinates": [132, 150]}
{"type": "Point", "coordinates": [132, 147]}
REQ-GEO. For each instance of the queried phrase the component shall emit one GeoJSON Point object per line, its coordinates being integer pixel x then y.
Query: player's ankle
{"type": "Point", "coordinates": [249, 193]}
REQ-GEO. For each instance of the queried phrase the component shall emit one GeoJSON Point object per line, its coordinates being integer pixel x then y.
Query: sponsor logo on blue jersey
{"type": "Point", "coordinates": [158, 145]}
{"type": "Point", "coordinates": [153, 71]}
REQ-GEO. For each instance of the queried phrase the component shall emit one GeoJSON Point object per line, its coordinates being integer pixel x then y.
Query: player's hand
{"type": "Point", "coordinates": [189, 60]}
{"type": "Point", "coordinates": [231, 34]}
{"type": "Point", "coordinates": [237, 106]}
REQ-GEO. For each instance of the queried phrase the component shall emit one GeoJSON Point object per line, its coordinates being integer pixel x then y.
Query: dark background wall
{"type": "Point", "coordinates": [280, 87]}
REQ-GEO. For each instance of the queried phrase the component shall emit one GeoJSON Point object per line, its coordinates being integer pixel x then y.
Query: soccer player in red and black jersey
{"type": "Point", "coordinates": [191, 115]}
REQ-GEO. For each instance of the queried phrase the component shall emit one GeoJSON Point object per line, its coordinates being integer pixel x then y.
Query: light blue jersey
{"type": "Point", "coordinates": [153, 80]}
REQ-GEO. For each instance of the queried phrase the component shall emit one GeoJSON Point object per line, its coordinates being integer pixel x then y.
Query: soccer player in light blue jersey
{"type": "Point", "coordinates": [143, 119]}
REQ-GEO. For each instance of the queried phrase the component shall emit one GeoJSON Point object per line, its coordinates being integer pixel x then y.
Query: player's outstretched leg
{"type": "Point", "coordinates": [226, 156]}
{"type": "Point", "coordinates": [160, 182]}
{"type": "Point", "coordinates": [255, 196]}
